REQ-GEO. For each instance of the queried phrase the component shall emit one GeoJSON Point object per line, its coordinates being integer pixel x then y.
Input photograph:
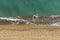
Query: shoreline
{"type": "Point", "coordinates": [28, 27]}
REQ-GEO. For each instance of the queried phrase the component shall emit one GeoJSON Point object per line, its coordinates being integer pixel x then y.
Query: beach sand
{"type": "Point", "coordinates": [29, 32]}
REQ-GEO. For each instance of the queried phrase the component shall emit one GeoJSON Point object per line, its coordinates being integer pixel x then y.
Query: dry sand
{"type": "Point", "coordinates": [29, 32]}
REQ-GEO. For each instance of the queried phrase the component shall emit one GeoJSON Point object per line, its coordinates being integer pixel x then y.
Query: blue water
{"type": "Point", "coordinates": [29, 7]}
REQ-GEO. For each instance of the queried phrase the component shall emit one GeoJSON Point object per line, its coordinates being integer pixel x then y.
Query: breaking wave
{"type": "Point", "coordinates": [56, 24]}
{"type": "Point", "coordinates": [55, 16]}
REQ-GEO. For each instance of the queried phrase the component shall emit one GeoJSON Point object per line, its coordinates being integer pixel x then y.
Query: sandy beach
{"type": "Point", "coordinates": [29, 32]}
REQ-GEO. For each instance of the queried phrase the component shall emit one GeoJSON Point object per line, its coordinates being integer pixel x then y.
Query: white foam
{"type": "Point", "coordinates": [55, 16]}
{"type": "Point", "coordinates": [56, 24]}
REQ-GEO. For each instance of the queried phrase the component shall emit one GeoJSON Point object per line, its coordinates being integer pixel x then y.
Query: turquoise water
{"type": "Point", "coordinates": [29, 7]}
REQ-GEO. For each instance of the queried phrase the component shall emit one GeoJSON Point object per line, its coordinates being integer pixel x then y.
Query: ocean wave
{"type": "Point", "coordinates": [55, 16]}
{"type": "Point", "coordinates": [56, 24]}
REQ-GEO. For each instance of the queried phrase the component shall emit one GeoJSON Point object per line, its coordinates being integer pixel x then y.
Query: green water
{"type": "Point", "coordinates": [29, 7]}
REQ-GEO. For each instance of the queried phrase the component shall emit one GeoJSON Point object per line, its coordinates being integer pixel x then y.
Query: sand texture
{"type": "Point", "coordinates": [29, 32]}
